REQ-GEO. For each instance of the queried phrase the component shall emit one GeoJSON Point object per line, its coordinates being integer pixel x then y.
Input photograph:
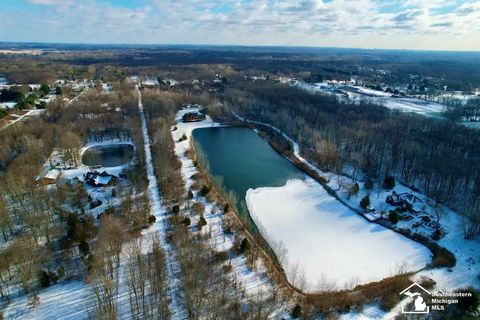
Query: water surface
{"type": "Point", "coordinates": [243, 160]}
{"type": "Point", "coordinates": [108, 155]}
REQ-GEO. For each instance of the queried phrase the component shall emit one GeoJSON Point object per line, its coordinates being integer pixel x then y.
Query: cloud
{"type": "Point", "coordinates": [363, 23]}
{"type": "Point", "coordinates": [45, 2]}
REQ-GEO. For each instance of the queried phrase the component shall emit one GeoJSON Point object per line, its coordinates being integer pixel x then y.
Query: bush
{"type": "Point", "coordinates": [296, 312]}
{"type": "Point", "coordinates": [182, 138]}
{"type": "Point", "coordinates": [442, 257]}
{"type": "Point", "coordinates": [84, 248]}
{"type": "Point", "coordinates": [393, 216]}
{"type": "Point", "coordinates": [205, 190]}
{"type": "Point", "coordinates": [389, 183]}
{"type": "Point", "coordinates": [201, 223]}
{"type": "Point", "coordinates": [220, 256]}
{"type": "Point", "coordinates": [226, 208]}
{"type": "Point", "coordinates": [244, 245]}
{"type": "Point", "coordinates": [365, 202]}
{"type": "Point", "coordinates": [186, 221]}
{"type": "Point", "coordinates": [44, 278]}
{"type": "Point", "coordinates": [176, 209]}
{"type": "Point", "coordinates": [151, 219]}
{"type": "Point", "coordinates": [354, 188]}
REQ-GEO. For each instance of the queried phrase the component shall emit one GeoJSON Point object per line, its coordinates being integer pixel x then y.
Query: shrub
{"type": "Point", "coordinates": [182, 138]}
{"type": "Point", "coordinates": [393, 216]}
{"type": "Point", "coordinates": [226, 208]}
{"type": "Point", "coordinates": [296, 312]}
{"type": "Point", "coordinates": [389, 182]}
{"type": "Point", "coordinates": [151, 219]}
{"type": "Point", "coordinates": [220, 256]}
{"type": "Point", "coordinates": [44, 278]}
{"type": "Point", "coordinates": [365, 202]}
{"type": "Point", "coordinates": [186, 221]}
{"type": "Point", "coordinates": [205, 190]}
{"type": "Point", "coordinates": [198, 208]}
{"type": "Point", "coordinates": [442, 257]}
{"type": "Point", "coordinates": [354, 188]}
{"type": "Point", "coordinates": [368, 184]}
{"type": "Point", "coordinates": [84, 248]}
{"type": "Point", "coordinates": [176, 209]}
{"type": "Point", "coordinates": [244, 245]}
{"type": "Point", "coordinates": [201, 223]}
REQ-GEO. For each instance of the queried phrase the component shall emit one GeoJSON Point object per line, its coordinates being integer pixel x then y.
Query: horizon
{"type": "Point", "coordinates": [441, 25]}
{"type": "Point", "coordinates": [4, 45]}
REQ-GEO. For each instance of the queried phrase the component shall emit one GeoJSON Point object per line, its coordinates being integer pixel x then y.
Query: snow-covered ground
{"type": "Point", "coordinates": [356, 93]}
{"type": "Point", "coordinates": [314, 234]}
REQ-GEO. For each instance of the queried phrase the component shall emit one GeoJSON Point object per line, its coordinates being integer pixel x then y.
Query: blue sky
{"type": "Point", "coordinates": [395, 24]}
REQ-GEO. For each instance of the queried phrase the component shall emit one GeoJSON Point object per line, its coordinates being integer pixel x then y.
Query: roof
{"type": "Point", "coordinates": [52, 174]}
{"type": "Point", "coordinates": [102, 180]}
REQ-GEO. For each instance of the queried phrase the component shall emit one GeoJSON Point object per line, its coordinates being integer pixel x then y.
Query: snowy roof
{"type": "Point", "coordinates": [103, 179]}
{"type": "Point", "coordinates": [52, 174]}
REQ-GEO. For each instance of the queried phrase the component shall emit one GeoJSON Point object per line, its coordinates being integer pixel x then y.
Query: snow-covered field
{"type": "Point", "coordinates": [319, 239]}
{"type": "Point", "coordinates": [356, 93]}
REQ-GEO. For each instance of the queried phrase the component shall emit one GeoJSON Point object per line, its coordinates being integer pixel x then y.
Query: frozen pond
{"type": "Point", "coordinates": [319, 241]}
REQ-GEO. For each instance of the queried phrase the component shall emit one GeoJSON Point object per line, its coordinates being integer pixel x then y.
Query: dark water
{"type": "Point", "coordinates": [243, 160]}
{"type": "Point", "coordinates": [108, 155]}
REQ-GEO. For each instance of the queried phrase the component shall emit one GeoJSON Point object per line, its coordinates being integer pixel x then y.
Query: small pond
{"type": "Point", "coordinates": [108, 155]}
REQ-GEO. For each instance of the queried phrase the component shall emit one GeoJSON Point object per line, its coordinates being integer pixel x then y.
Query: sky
{"type": "Point", "coordinates": [394, 24]}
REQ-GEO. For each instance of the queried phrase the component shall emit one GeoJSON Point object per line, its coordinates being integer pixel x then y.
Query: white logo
{"type": "Point", "coordinates": [417, 303]}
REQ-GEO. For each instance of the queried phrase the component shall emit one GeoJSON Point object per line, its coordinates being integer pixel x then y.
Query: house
{"type": "Point", "coordinates": [100, 179]}
{"type": "Point", "coordinates": [49, 177]}
{"type": "Point", "coordinates": [406, 201]}
{"type": "Point", "coordinates": [193, 117]}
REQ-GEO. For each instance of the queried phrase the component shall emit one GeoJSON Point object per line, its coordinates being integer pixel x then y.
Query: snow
{"type": "Point", "coordinates": [53, 174]}
{"type": "Point", "coordinates": [326, 239]}
{"type": "Point", "coordinates": [69, 300]}
{"type": "Point", "coordinates": [102, 180]}
{"type": "Point", "coordinates": [357, 94]}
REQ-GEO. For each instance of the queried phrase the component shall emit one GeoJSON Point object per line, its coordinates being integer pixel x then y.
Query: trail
{"type": "Point", "coordinates": [177, 308]}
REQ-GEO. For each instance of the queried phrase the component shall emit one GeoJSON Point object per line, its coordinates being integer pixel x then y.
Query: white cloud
{"type": "Point", "coordinates": [362, 23]}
